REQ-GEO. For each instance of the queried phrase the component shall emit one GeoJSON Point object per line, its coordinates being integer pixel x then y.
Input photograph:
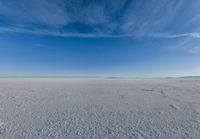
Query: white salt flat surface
{"type": "Point", "coordinates": [99, 108]}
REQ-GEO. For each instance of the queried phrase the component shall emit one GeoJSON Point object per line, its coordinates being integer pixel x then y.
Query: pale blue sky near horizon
{"type": "Point", "coordinates": [129, 38]}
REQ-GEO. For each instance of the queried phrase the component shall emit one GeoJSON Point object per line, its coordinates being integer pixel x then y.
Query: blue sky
{"type": "Point", "coordinates": [139, 38]}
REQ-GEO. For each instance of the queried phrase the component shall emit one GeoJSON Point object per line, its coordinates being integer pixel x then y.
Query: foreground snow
{"type": "Point", "coordinates": [100, 108]}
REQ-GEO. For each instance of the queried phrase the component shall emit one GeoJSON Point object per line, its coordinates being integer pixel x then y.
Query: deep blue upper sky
{"type": "Point", "coordinates": [142, 38]}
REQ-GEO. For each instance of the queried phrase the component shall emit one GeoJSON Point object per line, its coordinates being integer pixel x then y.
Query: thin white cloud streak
{"type": "Point", "coordinates": [43, 32]}
{"type": "Point", "coordinates": [188, 45]}
{"type": "Point", "coordinates": [172, 36]}
{"type": "Point", "coordinates": [94, 35]}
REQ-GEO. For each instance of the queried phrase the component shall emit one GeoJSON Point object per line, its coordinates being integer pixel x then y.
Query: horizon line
{"type": "Point", "coordinates": [99, 76]}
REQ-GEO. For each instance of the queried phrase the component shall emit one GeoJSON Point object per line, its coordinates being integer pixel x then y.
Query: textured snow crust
{"type": "Point", "coordinates": [99, 108]}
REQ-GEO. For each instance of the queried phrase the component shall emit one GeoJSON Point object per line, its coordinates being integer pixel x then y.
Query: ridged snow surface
{"type": "Point", "coordinates": [99, 108]}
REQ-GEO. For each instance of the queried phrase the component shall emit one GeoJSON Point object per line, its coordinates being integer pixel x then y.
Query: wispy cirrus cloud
{"type": "Point", "coordinates": [43, 32]}
{"type": "Point", "coordinates": [112, 18]}
{"type": "Point", "coordinates": [35, 12]}
{"type": "Point", "coordinates": [46, 32]}
{"type": "Point", "coordinates": [187, 45]}
{"type": "Point", "coordinates": [172, 36]}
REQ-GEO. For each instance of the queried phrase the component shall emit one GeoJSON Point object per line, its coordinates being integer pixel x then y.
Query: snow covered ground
{"type": "Point", "coordinates": [100, 108]}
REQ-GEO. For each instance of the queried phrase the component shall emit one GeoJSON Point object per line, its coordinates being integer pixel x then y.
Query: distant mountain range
{"type": "Point", "coordinates": [190, 77]}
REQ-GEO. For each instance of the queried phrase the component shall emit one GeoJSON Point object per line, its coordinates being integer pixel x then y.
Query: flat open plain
{"type": "Point", "coordinates": [97, 108]}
